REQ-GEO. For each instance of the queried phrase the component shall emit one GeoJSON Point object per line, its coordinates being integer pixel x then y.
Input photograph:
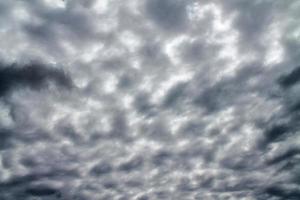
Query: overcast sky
{"type": "Point", "coordinates": [149, 99]}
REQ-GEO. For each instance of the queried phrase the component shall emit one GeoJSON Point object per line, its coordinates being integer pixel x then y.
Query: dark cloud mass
{"type": "Point", "coordinates": [31, 75]}
{"type": "Point", "coordinates": [290, 79]}
{"type": "Point", "coordinates": [149, 99]}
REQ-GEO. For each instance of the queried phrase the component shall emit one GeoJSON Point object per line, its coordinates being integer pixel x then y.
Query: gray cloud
{"type": "Point", "coordinates": [32, 75]}
{"type": "Point", "coordinates": [290, 79]}
{"type": "Point", "coordinates": [149, 100]}
{"type": "Point", "coordinates": [167, 15]}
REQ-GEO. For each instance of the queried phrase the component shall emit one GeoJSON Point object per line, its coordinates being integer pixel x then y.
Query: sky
{"type": "Point", "coordinates": [149, 99]}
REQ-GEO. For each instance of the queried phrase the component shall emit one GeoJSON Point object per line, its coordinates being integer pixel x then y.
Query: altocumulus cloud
{"type": "Point", "coordinates": [149, 99]}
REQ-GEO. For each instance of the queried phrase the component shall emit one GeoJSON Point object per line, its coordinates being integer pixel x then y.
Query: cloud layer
{"type": "Point", "coordinates": [151, 99]}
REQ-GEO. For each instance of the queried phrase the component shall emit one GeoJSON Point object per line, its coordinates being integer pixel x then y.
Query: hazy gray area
{"type": "Point", "coordinates": [149, 99]}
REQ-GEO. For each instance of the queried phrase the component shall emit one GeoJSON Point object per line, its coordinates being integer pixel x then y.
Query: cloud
{"type": "Point", "coordinates": [167, 15]}
{"type": "Point", "coordinates": [31, 75]}
{"type": "Point", "coordinates": [42, 191]}
{"type": "Point", "coordinates": [5, 137]}
{"type": "Point", "coordinates": [101, 168]}
{"type": "Point", "coordinates": [149, 100]}
{"type": "Point", "coordinates": [290, 79]}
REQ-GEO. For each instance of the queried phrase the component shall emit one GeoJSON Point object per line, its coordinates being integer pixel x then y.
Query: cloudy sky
{"type": "Point", "coordinates": [149, 99]}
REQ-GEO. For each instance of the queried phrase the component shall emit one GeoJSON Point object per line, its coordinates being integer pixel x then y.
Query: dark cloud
{"type": "Point", "coordinates": [198, 52]}
{"type": "Point", "coordinates": [280, 192]}
{"type": "Point", "coordinates": [143, 105]}
{"type": "Point", "coordinates": [41, 191]}
{"type": "Point", "coordinates": [167, 15]}
{"type": "Point", "coordinates": [275, 133]}
{"type": "Point", "coordinates": [131, 165]}
{"type": "Point", "coordinates": [9, 137]}
{"type": "Point", "coordinates": [30, 178]}
{"type": "Point", "coordinates": [5, 136]}
{"type": "Point", "coordinates": [101, 168]}
{"type": "Point", "coordinates": [162, 158]}
{"type": "Point", "coordinates": [290, 79]}
{"type": "Point", "coordinates": [34, 76]}
{"type": "Point", "coordinates": [285, 156]}
{"type": "Point", "coordinates": [174, 95]}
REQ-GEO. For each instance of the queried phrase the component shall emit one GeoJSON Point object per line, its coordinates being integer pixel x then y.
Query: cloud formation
{"type": "Point", "coordinates": [151, 99]}
{"type": "Point", "coordinates": [31, 75]}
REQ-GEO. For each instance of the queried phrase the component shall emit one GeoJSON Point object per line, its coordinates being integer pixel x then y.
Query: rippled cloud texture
{"type": "Point", "coordinates": [149, 99]}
